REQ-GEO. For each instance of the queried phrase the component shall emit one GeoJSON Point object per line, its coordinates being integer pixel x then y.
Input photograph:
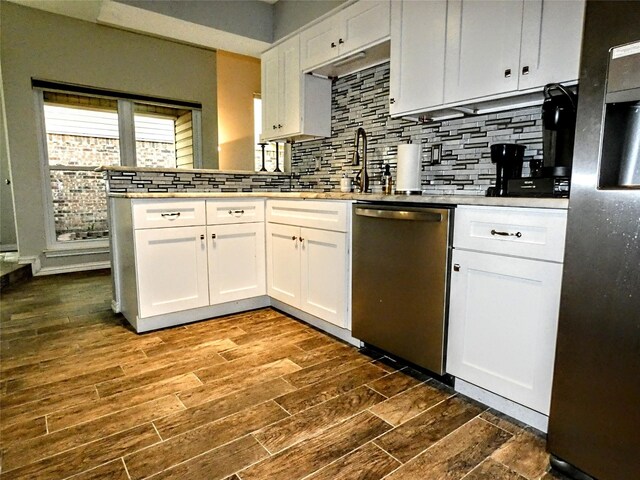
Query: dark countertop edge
{"type": "Point", "coordinates": [526, 202]}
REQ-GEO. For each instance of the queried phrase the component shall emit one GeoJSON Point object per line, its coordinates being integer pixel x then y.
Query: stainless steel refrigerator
{"type": "Point", "coordinates": [594, 422]}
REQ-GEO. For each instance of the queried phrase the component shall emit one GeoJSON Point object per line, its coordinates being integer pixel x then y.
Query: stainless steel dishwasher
{"type": "Point", "coordinates": [401, 258]}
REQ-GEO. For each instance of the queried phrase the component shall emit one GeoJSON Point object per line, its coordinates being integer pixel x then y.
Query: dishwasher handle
{"type": "Point", "coordinates": [400, 215]}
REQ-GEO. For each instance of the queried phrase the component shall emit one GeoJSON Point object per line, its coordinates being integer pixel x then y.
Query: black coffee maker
{"type": "Point", "coordinates": [508, 158]}
{"type": "Point", "coordinates": [550, 176]}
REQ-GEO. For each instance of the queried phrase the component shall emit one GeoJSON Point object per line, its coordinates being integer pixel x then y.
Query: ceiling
{"type": "Point", "coordinates": [120, 15]}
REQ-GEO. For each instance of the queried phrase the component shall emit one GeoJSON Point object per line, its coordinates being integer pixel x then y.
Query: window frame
{"type": "Point", "coordinates": [127, 141]}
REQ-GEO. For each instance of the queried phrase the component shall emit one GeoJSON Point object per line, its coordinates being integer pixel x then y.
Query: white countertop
{"type": "Point", "coordinates": [562, 203]}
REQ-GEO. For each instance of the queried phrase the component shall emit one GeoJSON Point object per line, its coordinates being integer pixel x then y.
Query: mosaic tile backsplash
{"type": "Point", "coordinates": [161, 182]}
{"type": "Point", "coordinates": [361, 100]}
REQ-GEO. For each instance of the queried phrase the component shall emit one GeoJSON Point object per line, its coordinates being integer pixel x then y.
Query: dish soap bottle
{"type": "Point", "coordinates": [387, 180]}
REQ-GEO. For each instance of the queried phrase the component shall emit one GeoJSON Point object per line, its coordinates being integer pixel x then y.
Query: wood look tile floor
{"type": "Point", "coordinates": [250, 396]}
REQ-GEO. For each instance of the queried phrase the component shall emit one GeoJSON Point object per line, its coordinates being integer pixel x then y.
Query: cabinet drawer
{"type": "Point", "coordinates": [523, 232]}
{"type": "Point", "coordinates": [154, 213]}
{"type": "Point", "coordinates": [221, 212]}
{"type": "Point", "coordinates": [326, 215]}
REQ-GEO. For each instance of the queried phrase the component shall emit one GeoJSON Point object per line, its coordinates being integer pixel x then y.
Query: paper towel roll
{"type": "Point", "coordinates": [409, 169]}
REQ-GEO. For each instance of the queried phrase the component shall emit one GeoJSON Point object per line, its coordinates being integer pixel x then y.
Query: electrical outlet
{"type": "Point", "coordinates": [436, 154]}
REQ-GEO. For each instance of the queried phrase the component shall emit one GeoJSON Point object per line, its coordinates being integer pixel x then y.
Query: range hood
{"type": "Point", "coordinates": [354, 61]}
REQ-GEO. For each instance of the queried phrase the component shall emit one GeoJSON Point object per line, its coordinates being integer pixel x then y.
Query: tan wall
{"type": "Point", "coordinates": [36, 44]}
{"type": "Point", "coordinates": [238, 81]}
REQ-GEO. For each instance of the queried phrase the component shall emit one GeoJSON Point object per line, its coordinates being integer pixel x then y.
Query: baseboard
{"type": "Point", "coordinates": [78, 267]}
{"type": "Point", "coordinates": [330, 328]}
{"type": "Point", "coordinates": [196, 314]}
{"type": "Point", "coordinates": [504, 405]}
{"type": "Point", "coordinates": [8, 247]}
{"type": "Point", "coordinates": [34, 261]}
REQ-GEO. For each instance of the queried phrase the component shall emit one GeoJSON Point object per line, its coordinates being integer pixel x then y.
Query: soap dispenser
{"type": "Point", "coordinates": [387, 180]}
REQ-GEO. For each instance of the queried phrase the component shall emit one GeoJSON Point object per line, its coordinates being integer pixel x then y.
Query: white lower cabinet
{"type": "Point", "coordinates": [181, 260]}
{"type": "Point", "coordinates": [503, 310]}
{"type": "Point", "coordinates": [171, 265]}
{"type": "Point", "coordinates": [502, 325]}
{"type": "Point", "coordinates": [283, 263]}
{"type": "Point", "coordinates": [236, 261]}
{"type": "Point", "coordinates": [309, 268]}
{"type": "Point", "coordinates": [323, 277]}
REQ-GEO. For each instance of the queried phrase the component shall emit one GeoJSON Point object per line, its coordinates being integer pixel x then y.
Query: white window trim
{"type": "Point", "coordinates": [47, 194]}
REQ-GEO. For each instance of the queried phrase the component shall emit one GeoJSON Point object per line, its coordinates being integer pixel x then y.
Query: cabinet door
{"type": "Point", "coordinates": [551, 40]}
{"type": "Point", "coordinates": [283, 263]}
{"type": "Point", "coordinates": [417, 55]}
{"type": "Point", "coordinates": [236, 262]}
{"type": "Point", "coordinates": [270, 93]}
{"type": "Point", "coordinates": [483, 48]}
{"type": "Point", "coordinates": [290, 92]}
{"type": "Point", "coordinates": [503, 318]}
{"type": "Point", "coordinates": [319, 43]}
{"type": "Point", "coordinates": [324, 272]}
{"type": "Point", "coordinates": [363, 23]}
{"type": "Point", "coordinates": [171, 266]}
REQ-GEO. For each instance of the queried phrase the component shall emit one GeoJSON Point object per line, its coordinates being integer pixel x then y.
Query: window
{"type": "Point", "coordinates": [82, 132]}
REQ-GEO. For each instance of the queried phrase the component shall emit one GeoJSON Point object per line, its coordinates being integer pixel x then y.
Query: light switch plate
{"type": "Point", "coordinates": [436, 154]}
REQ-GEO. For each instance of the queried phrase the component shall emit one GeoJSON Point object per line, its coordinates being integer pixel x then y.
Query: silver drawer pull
{"type": "Point", "coordinates": [236, 213]}
{"type": "Point", "coordinates": [170, 214]}
{"type": "Point", "coordinates": [506, 234]}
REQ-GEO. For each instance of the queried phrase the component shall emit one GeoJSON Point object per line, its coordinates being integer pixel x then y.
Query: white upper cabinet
{"type": "Point", "coordinates": [418, 34]}
{"type": "Point", "coordinates": [480, 53]}
{"type": "Point", "coordinates": [358, 26]}
{"type": "Point", "coordinates": [495, 47]}
{"type": "Point", "coordinates": [271, 109]}
{"type": "Point", "coordinates": [551, 40]}
{"type": "Point", "coordinates": [294, 106]}
{"type": "Point", "coordinates": [483, 48]}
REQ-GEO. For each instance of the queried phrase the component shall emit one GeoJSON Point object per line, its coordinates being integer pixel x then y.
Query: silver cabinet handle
{"type": "Point", "coordinates": [170, 214]}
{"type": "Point", "coordinates": [525, 70]}
{"type": "Point", "coordinates": [506, 234]}
{"type": "Point", "coordinates": [294, 238]}
{"type": "Point", "coordinates": [456, 267]}
{"type": "Point", "coordinates": [201, 237]}
{"type": "Point", "coordinates": [213, 235]}
{"type": "Point", "coordinates": [301, 239]}
{"type": "Point", "coordinates": [507, 73]}
{"type": "Point", "coordinates": [236, 212]}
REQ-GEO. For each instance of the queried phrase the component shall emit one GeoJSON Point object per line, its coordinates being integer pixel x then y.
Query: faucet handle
{"type": "Point", "coordinates": [356, 158]}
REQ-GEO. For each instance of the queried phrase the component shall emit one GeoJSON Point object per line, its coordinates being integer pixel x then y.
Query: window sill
{"type": "Point", "coordinates": [96, 248]}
